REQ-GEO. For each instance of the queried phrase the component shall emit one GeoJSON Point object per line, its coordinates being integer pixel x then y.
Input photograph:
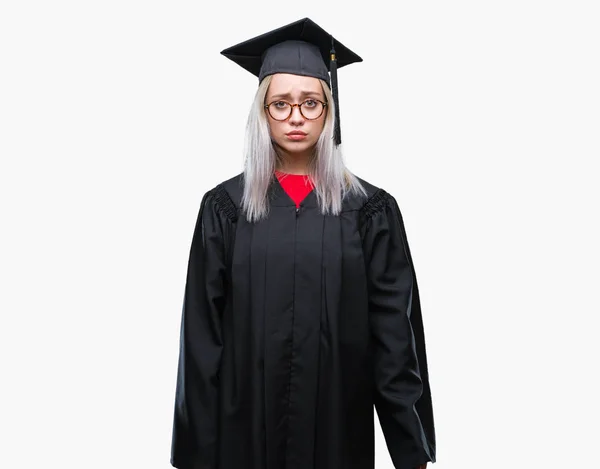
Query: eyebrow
{"type": "Point", "coordinates": [303, 93]}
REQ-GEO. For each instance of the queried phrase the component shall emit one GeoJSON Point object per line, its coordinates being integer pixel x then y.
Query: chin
{"type": "Point", "coordinates": [296, 147]}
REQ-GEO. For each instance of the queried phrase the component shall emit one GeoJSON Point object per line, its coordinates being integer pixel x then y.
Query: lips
{"type": "Point", "coordinates": [296, 135]}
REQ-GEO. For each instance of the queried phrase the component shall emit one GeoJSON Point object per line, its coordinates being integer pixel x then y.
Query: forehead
{"type": "Point", "coordinates": [293, 85]}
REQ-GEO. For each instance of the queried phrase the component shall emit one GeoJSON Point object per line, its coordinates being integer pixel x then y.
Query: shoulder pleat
{"type": "Point", "coordinates": [374, 204]}
{"type": "Point", "coordinates": [224, 203]}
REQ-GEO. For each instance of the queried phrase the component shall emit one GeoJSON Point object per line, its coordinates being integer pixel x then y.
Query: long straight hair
{"type": "Point", "coordinates": [326, 168]}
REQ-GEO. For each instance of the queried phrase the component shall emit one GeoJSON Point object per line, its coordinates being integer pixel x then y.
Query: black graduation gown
{"type": "Point", "coordinates": [293, 330]}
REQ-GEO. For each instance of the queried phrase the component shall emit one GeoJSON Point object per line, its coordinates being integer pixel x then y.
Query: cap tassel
{"type": "Point", "coordinates": [337, 133]}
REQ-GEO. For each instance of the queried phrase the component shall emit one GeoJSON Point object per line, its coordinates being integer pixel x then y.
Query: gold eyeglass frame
{"type": "Point", "coordinates": [292, 106]}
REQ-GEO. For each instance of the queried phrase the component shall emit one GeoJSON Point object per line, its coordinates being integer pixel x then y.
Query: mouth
{"type": "Point", "coordinates": [296, 135]}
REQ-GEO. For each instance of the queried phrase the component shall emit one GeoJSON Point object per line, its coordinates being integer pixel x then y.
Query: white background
{"type": "Point", "coordinates": [482, 118]}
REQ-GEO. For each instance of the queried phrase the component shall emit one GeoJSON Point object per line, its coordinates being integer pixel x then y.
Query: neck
{"type": "Point", "coordinates": [293, 163]}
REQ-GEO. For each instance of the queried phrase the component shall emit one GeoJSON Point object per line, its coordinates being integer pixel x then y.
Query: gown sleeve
{"type": "Point", "coordinates": [401, 382]}
{"type": "Point", "coordinates": [195, 432]}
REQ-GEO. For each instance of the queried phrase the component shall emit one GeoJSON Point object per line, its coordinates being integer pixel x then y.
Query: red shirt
{"type": "Point", "coordinates": [297, 186]}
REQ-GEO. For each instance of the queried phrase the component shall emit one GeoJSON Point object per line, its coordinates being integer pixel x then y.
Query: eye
{"type": "Point", "coordinates": [280, 104]}
{"type": "Point", "coordinates": [310, 103]}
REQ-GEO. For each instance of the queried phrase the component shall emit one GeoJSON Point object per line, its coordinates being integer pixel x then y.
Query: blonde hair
{"type": "Point", "coordinates": [332, 180]}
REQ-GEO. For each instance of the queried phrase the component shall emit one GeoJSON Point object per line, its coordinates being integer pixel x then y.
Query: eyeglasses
{"type": "Point", "coordinates": [310, 109]}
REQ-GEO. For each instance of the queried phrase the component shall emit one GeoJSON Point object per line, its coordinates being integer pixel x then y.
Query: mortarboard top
{"type": "Point", "coordinates": [299, 48]}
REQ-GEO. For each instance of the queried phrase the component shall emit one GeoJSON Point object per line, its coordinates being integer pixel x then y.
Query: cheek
{"type": "Point", "coordinates": [275, 127]}
{"type": "Point", "coordinates": [317, 127]}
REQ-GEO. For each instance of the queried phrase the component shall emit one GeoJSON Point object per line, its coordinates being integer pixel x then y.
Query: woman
{"type": "Point", "coordinates": [301, 311]}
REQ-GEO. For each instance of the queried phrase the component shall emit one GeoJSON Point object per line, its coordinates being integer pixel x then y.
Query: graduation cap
{"type": "Point", "coordinates": [299, 48]}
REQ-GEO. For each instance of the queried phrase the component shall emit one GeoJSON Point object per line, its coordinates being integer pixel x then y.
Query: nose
{"type": "Point", "coordinates": [296, 117]}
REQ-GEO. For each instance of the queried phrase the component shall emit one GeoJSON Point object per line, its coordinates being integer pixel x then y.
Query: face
{"type": "Point", "coordinates": [295, 134]}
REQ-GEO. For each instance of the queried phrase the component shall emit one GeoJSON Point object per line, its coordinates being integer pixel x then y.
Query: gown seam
{"type": "Point", "coordinates": [289, 390]}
